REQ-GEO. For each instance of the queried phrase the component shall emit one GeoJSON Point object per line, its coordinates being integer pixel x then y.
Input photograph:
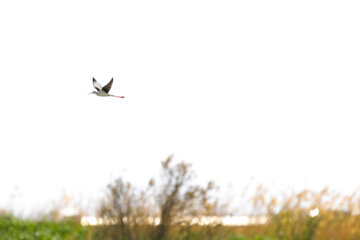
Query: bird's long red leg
{"type": "Point", "coordinates": [117, 96]}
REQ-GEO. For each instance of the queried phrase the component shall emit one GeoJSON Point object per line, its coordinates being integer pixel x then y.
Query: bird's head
{"type": "Point", "coordinates": [93, 92]}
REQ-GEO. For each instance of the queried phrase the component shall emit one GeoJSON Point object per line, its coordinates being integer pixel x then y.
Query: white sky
{"type": "Point", "coordinates": [240, 89]}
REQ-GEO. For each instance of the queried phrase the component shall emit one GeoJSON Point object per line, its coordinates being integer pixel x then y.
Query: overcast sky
{"type": "Point", "coordinates": [264, 90]}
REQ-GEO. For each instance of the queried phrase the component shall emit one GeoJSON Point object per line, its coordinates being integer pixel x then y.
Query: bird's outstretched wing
{"type": "Point", "coordinates": [108, 86]}
{"type": "Point", "coordinates": [97, 86]}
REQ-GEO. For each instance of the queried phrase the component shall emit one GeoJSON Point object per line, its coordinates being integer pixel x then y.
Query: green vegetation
{"type": "Point", "coordinates": [12, 228]}
{"type": "Point", "coordinates": [175, 201]}
{"type": "Point", "coordinates": [287, 225]}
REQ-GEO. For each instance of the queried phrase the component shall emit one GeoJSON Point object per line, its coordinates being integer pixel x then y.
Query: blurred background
{"type": "Point", "coordinates": [256, 96]}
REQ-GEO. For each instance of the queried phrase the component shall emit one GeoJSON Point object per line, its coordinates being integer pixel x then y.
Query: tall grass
{"type": "Point", "coordinates": [308, 215]}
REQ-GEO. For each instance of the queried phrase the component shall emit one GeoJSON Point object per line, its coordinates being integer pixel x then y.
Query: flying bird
{"type": "Point", "coordinates": [103, 91]}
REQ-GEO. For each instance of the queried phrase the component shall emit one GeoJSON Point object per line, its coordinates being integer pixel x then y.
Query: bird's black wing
{"type": "Point", "coordinates": [108, 86]}
{"type": "Point", "coordinates": [97, 86]}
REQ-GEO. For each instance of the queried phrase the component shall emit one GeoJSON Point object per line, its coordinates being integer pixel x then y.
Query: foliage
{"type": "Point", "coordinates": [166, 208]}
{"type": "Point", "coordinates": [12, 228]}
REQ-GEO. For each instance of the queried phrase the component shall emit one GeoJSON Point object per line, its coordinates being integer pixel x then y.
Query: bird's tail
{"type": "Point", "coordinates": [117, 96]}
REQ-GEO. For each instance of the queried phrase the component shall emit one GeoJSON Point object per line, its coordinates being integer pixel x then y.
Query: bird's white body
{"type": "Point", "coordinates": [102, 94]}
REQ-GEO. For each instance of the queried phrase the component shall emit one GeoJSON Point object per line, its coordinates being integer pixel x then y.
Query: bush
{"type": "Point", "coordinates": [175, 201]}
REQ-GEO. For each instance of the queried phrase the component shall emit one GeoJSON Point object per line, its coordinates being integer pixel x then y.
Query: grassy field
{"type": "Point", "coordinates": [301, 215]}
{"type": "Point", "coordinates": [12, 228]}
{"type": "Point", "coordinates": [285, 226]}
